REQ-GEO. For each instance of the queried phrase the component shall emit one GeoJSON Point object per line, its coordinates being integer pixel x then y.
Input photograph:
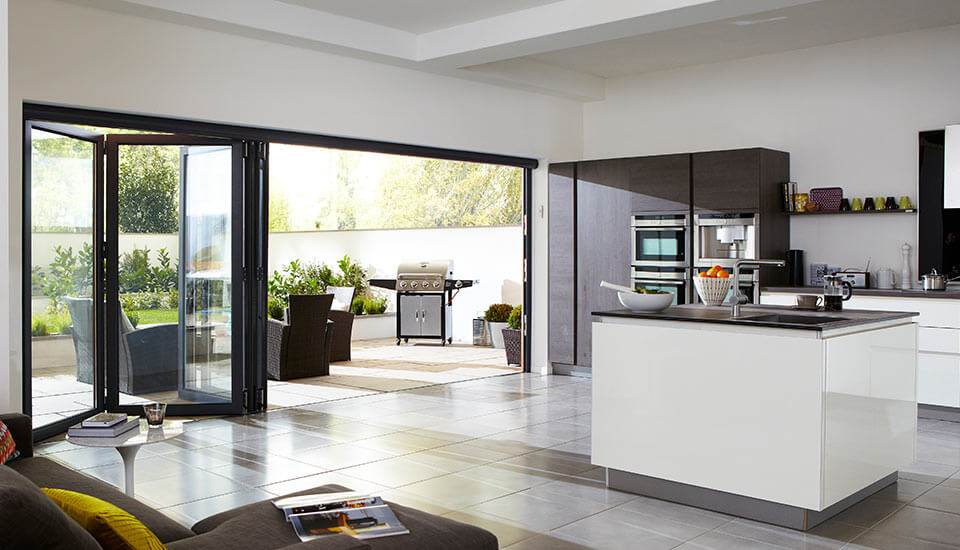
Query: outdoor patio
{"type": "Point", "coordinates": [379, 366]}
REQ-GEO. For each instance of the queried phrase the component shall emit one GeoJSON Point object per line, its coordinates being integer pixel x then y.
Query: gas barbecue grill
{"type": "Point", "coordinates": [425, 292]}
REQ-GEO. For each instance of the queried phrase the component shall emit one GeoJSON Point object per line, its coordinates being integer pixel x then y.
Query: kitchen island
{"type": "Point", "coordinates": [782, 416]}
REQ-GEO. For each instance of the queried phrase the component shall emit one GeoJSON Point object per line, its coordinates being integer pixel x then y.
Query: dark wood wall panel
{"type": "Point", "coordinates": [561, 264]}
{"type": "Point", "coordinates": [603, 248]}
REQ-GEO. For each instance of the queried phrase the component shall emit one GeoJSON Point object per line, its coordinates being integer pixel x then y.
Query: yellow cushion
{"type": "Point", "coordinates": [113, 528]}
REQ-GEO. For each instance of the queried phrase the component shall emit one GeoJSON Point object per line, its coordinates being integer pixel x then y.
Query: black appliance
{"type": "Point", "coordinates": [795, 267]}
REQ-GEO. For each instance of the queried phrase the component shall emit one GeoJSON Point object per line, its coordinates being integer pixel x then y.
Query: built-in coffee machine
{"type": "Point", "coordinates": [722, 239]}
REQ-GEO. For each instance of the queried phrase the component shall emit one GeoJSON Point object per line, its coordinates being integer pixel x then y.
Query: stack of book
{"type": "Point", "coordinates": [104, 425]}
{"type": "Point", "coordinates": [360, 515]}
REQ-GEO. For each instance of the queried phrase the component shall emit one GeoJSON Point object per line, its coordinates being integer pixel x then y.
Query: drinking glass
{"type": "Point", "coordinates": [155, 413]}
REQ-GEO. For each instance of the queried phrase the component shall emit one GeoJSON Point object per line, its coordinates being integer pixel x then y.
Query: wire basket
{"type": "Point", "coordinates": [712, 291]}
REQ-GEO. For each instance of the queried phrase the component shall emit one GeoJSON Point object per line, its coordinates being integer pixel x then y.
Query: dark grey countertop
{"type": "Point", "coordinates": [786, 317]}
{"type": "Point", "coordinates": [952, 292]}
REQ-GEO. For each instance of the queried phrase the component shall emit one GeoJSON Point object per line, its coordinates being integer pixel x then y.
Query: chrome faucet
{"type": "Point", "coordinates": [738, 298]}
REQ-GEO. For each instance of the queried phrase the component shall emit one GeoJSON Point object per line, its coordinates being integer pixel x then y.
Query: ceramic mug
{"type": "Point", "coordinates": [885, 278]}
{"type": "Point", "coordinates": [809, 301]}
{"type": "Point", "coordinates": [856, 204]}
{"type": "Point", "coordinates": [905, 203]}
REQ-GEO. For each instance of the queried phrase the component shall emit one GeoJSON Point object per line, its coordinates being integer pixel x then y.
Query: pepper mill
{"type": "Point", "coordinates": [905, 279]}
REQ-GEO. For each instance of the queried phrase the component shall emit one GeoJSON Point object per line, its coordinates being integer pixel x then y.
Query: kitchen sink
{"type": "Point", "coordinates": [795, 319]}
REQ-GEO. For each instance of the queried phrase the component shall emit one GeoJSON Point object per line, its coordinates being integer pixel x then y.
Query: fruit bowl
{"type": "Point", "coordinates": [645, 302]}
{"type": "Point", "coordinates": [712, 290]}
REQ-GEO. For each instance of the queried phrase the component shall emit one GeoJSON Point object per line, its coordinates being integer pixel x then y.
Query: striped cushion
{"type": "Point", "coordinates": [113, 528]}
{"type": "Point", "coordinates": [8, 449]}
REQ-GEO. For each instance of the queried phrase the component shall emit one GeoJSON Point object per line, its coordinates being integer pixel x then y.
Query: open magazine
{"type": "Point", "coordinates": [360, 515]}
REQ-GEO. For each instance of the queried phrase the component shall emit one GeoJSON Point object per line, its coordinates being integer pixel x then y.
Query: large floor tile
{"type": "Point", "coordinates": [943, 498]}
{"type": "Point", "coordinates": [875, 540]}
{"type": "Point", "coordinates": [539, 513]}
{"type": "Point", "coordinates": [199, 509]}
{"type": "Point", "coordinates": [456, 491]}
{"type": "Point", "coordinates": [688, 515]}
{"type": "Point", "coordinates": [547, 542]}
{"type": "Point", "coordinates": [828, 537]}
{"type": "Point", "coordinates": [618, 528]}
{"type": "Point", "coordinates": [923, 524]}
{"type": "Point", "coordinates": [394, 472]}
{"type": "Point", "coordinates": [507, 532]}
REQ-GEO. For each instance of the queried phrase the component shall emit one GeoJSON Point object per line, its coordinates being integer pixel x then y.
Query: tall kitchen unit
{"type": "Point", "coordinates": [594, 205]}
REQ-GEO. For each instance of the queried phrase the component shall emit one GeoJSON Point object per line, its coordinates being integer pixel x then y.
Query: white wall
{"type": "Point", "coordinates": [492, 255]}
{"type": "Point", "coordinates": [847, 113]}
{"type": "Point", "coordinates": [75, 55]}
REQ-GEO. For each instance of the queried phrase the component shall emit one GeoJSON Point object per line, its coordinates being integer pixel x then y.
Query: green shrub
{"type": "Point", "coordinates": [516, 317]}
{"type": "Point", "coordinates": [135, 270]}
{"type": "Point", "coordinates": [133, 317]}
{"type": "Point", "coordinates": [498, 313]}
{"type": "Point", "coordinates": [39, 327]}
{"type": "Point", "coordinates": [357, 306]}
{"type": "Point", "coordinates": [374, 305]}
{"type": "Point", "coordinates": [314, 278]}
{"type": "Point", "coordinates": [275, 309]}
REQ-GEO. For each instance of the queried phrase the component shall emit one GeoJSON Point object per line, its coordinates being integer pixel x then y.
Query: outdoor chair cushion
{"type": "Point", "coordinates": [31, 521]}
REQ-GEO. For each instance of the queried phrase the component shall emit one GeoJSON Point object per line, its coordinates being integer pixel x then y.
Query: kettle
{"type": "Point", "coordinates": [886, 278]}
{"type": "Point", "coordinates": [836, 290]}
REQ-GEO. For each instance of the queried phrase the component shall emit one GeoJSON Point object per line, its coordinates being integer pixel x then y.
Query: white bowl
{"type": "Point", "coordinates": [645, 302]}
{"type": "Point", "coordinates": [712, 291]}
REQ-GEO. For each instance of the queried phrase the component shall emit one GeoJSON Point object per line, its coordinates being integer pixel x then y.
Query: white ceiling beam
{"type": "Point", "coordinates": [571, 23]}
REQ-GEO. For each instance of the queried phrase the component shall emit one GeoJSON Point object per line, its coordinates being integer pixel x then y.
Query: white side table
{"type": "Point", "coordinates": [129, 443]}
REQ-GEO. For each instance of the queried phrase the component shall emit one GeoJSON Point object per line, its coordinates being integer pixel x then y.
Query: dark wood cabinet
{"type": "Point", "coordinates": [589, 228]}
{"type": "Point", "coordinates": [726, 181]}
{"type": "Point", "coordinates": [603, 252]}
{"type": "Point", "coordinates": [561, 244]}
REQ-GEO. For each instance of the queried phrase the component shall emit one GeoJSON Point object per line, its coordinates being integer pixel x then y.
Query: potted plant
{"type": "Point", "coordinates": [511, 336]}
{"type": "Point", "coordinates": [496, 317]}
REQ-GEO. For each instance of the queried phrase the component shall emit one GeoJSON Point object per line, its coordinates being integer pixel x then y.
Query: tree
{"type": "Point", "coordinates": [149, 189]}
{"type": "Point", "coordinates": [420, 192]}
{"type": "Point", "coordinates": [279, 212]}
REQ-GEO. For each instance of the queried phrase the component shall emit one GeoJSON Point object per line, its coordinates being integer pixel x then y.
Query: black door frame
{"type": "Point", "coordinates": [112, 233]}
{"type": "Point", "coordinates": [97, 289]}
{"type": "Point", "coordinates": [256, 140]}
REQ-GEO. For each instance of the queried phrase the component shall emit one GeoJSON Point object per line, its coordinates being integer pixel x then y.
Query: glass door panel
{"type": "Point", "coordinates": [64, 171]}
{"type": "Point", "coordinates": [173, 218]}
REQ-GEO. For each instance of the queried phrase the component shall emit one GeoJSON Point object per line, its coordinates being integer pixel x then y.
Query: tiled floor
{"type": "Point", "coordinates": [509, 453]}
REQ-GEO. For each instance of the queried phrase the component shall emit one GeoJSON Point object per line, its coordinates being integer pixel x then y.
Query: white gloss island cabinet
{"type": "Point", "coordinates": [787, 426]}
{"type": "Point", "coordinates": [938, 365]}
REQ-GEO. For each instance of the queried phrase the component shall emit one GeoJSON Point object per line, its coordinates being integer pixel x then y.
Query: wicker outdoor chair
{"type": "Point", "coordinates": [343, 322]}
{"type": "Point", "coordinates": [147, 356]}
{"type": "Point", "coordinates": [300, 347]}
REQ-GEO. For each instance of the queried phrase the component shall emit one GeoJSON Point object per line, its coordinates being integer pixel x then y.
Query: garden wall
{"type": "Point", "coordinates": [492, 255]}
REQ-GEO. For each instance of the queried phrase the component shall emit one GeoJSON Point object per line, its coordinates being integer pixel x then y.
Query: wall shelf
{"type": "Point", "coordinates": [847, 212]}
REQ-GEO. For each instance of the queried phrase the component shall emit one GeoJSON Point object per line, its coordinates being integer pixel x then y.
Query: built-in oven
{"type": "Point", "coordinates": [661, 240]}
{"type": "Point", "coordinates": [671, 279]}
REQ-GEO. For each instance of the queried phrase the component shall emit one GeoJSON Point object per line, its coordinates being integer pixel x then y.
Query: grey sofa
{"type": "Point", "coordinates": [258, 526]}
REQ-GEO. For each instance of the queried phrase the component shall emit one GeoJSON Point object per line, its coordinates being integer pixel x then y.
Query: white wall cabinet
{"type": "Point", "coordinates": [938, 344]}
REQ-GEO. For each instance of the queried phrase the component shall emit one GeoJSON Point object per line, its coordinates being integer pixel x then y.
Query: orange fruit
{"type": "Point", "coordinates": [718, 268]}
{"type": "Point", "coordinates": [705, 274]}
{"type": "Point", "coordinates": [722, 274]}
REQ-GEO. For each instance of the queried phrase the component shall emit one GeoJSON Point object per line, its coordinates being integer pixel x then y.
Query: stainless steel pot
{"type": "Point", "coordinates": [934, 281]}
